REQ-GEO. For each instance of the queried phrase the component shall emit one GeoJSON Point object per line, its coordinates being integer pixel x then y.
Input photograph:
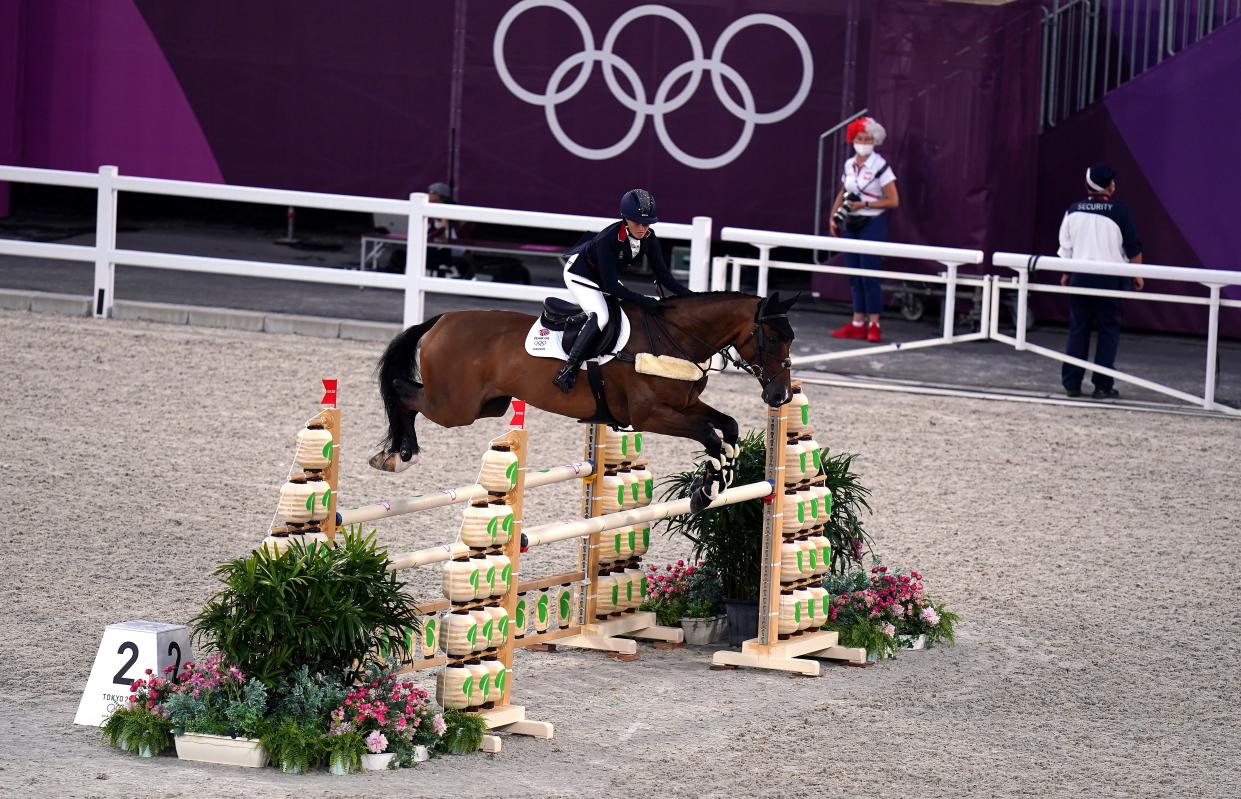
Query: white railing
{"type": "Point", "coordinates": [950, 257]}
{"type": "Point", "coordinates": [415, 282]}
{"type": "Point", "coordinates": [1213, 279]}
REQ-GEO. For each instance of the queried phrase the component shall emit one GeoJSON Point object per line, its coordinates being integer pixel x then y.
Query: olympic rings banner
{"type": "Point", "coordinates": [715, 107]}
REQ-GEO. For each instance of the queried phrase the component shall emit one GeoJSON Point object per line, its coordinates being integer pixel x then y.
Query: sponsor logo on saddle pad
{"type": "Point", "coordinates": [544, 343]}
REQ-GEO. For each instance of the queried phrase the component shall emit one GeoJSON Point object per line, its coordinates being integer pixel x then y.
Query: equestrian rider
{"type": "Point", "coordinates": [592, 270]}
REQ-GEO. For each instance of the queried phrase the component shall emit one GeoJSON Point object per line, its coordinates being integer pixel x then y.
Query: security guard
{"type": "Point", "coordinates": [594, 264]}
{"type": "Point", "coordinates": [1096, 229]}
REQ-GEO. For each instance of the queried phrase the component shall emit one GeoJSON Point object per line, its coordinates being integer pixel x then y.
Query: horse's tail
{"type": "Point", "coordinates": [399, 365]}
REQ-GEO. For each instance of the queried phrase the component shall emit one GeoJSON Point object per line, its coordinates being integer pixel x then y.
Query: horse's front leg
{"type": "Point", "coordinates": [694, 423]}
{"type": "Point", "coordinates": [726, 428]}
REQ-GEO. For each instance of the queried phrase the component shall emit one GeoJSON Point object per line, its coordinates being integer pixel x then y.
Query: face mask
{"type": "Point", "coordinates": [863, 149]}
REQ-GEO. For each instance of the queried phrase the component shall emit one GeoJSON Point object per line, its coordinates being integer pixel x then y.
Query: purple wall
{"type": "Point", "coordinates": [10, 62]}
{"type": "Point", "coordinates": [1163, 133]}
{"type": "Point", "coordinates": [297, 94]}
{"type": "Point", "coordinates": [96, 89]}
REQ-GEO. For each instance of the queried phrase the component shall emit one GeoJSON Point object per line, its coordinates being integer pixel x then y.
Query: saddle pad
{"type": "Point", "coordinates": [544, 343]}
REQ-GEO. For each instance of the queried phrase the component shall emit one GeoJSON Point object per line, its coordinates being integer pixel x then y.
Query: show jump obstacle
{"type": "Point", "coordinates": [489, 611]}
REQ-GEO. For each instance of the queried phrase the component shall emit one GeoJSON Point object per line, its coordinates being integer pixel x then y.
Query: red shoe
{"type": "Point", "coordinates": [850, 330]}
{"type": "Point", "coordinates": [873, 333]}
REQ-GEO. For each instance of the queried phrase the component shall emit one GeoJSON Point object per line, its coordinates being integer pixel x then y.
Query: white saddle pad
{"type": "Point", "coordinates": [542, 342]}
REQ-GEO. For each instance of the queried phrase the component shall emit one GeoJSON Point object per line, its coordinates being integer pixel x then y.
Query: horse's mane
{"type": "Point", "coordinates": [715, 295]}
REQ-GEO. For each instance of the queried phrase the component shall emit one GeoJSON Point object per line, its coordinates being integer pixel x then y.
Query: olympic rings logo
{"type": "Point", "coordinates": [635, 100]}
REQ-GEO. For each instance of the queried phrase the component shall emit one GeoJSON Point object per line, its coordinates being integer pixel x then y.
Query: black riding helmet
{"type": "Point", "coordinates": [638, 206]}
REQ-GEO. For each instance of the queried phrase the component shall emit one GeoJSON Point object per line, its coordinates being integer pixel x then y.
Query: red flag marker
{"type": "Point", "coordinates": [519, 414]}
{"type": "Point", "coordinates": [329, 392]}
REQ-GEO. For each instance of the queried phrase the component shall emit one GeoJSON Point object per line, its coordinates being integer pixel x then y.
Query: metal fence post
{"type": "Point", "coordinates": [700, 254]}
{"type": "Point", "coordinates": [416, 259]}
{"type": "Point", "coordinates": [1023, 296]}
{"type": "Point", "coordinates": [1208, 393]}
{"type": "Point", "coordinates": [105, 243]}
{"type": "Point", "coordinates": [950, 300]}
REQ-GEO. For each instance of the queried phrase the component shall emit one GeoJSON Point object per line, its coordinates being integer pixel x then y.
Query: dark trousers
{"type": "Point", "coordinates": [1087, 314]}
{"type": "Point", "coordinates": [866, 291]}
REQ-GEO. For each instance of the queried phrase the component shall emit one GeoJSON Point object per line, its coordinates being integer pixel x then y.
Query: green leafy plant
{"type": "Point", "coordinates": [729, 539]}
{"type": "Point", "coordinates": [306, 699]}
{"type": "Point", "coordinates": [315, 606]}
{"type": "Point", "coordinates": [844, 528]}
{"type": "Point", "coordinates": [464, 733]}
{"type": "Point", "coordinates": [293, 747]}
{"type": "Point", "coordinates": [344, 750]}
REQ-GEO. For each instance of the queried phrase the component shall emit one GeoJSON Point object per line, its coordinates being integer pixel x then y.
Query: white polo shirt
{"type": "Point", "coordinates": [861, 180]}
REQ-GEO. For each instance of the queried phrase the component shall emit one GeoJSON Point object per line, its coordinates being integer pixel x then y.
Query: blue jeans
{"type": "Point", "coordinates": [867, 294]}
{"type": "Point", "coordinates": [1085, 313]}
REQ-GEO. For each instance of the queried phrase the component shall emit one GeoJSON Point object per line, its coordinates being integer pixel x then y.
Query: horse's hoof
{"type": "Point", "coordinates": [698, 501]}
{"type": "Point", "coordinates": [730, 452]}
{"type": "Point", "coordinates": [386, 461]}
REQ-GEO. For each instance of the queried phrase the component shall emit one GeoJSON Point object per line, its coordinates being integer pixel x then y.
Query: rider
{"type": "Point", "coordinates": [592, 271]}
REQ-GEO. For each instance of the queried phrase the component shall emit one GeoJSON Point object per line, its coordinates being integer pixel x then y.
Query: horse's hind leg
{"type": "Point", "coordinates": [404, 451]}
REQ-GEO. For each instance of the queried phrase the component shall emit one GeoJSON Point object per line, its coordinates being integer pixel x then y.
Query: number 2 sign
{"type": "Point", "coordinates": [128, 649]}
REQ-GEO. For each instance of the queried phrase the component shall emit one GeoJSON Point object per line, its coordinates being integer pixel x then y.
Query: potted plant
{"type": "Point", "coordinates": [463, 732]}
{"type": "Point", "coordinates": [344, 751]}
{"type": "Point", "coordinates": [293, 747]}
{"type": "Point", "coordinates": [141, 727]}
{"type": "Point", "coordinates": [397, 721]}
{"type": "Point", "coordinates": [217, 713]}
{"type": "Point", "coordinates": [301, 709]}
{"type": "Point", "coordinates": [922, 622]}
{"type": "Point", "coordinates": [689, 596]}
{"type": "Point", "coordinates": [312, 605]}
{"type": "Point", "coordinates": [729, 539]}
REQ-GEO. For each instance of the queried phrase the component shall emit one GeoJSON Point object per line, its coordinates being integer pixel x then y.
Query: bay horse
{"type": "Point", "coordinates": [462, 366]}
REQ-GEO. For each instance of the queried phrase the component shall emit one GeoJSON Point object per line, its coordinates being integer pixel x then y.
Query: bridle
{"type": "Point", "coordinates": [762, 319]}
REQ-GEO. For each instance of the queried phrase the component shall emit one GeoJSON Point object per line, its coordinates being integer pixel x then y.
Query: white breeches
{"type": "Point", "coordinates": [586, 294]}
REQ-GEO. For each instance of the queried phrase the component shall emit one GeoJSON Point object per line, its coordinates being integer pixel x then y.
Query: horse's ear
{"type": "Point", "coordinates": [792, 301]}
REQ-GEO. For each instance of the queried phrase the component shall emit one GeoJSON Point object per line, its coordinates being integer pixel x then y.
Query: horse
{"type": "Point", "coordinates": [462, 366]}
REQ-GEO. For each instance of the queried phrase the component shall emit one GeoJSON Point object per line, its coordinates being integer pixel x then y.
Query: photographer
{"type": "Point", "coordinates": [867, 191]}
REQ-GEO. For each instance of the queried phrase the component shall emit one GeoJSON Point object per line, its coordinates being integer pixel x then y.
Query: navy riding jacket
{"type": "Point", "coordinates": [601, 257]}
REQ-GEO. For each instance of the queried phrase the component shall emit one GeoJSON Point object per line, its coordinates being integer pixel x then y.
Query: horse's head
{"type": "Point", "coordinates": [767, 350]}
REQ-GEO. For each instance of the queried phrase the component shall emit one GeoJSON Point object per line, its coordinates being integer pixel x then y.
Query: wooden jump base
{"type": "Point", "coordinates": [574, 619]}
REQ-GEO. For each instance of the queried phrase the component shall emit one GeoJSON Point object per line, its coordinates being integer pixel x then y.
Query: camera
{"type": "Point", "coordinates": [841, 217]}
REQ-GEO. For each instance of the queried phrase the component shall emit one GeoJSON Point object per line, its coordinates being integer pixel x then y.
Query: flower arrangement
{"type": "Point", "coordinates": [679, 591]}
{"type": "Point", "coordinates": [142, 727]}
{"type": "Point", "coordinates": [216, 698]}
{"type": "Point", "coordinates": [876, 610]}
{"type": "Point", "coordinates": [464, 733]}
{"type": "Point", "coordinates": [388, 715]}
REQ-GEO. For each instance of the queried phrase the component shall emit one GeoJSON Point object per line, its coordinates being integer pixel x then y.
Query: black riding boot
{"type": "Point", "coordinates": [567, 376]}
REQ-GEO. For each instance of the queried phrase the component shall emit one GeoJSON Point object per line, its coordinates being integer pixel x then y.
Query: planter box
{"type": "Point", "coordinates": [704, 631]}
{"type": "Point", "coordinates": [221, 749]}
{"type": "Point", "coordinates": [911, 641]}
{"type": "Point", "coordinates": [377, 762]}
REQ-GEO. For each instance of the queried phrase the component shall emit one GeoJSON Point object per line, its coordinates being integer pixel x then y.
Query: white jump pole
{"type": "Point", "coordinates": [451, 496]}
{"type": "Point", "coordinates": [561, 531]}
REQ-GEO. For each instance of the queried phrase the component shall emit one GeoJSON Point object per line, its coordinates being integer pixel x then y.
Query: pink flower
{"type": "Point", "coordinates": [376, 742]}
{"type": "Point", "coordinates": [889, 630]}
{"type": "Point", "coordinates": [438, 725]}
{"type": "Point", "coordinates": [930, 616]}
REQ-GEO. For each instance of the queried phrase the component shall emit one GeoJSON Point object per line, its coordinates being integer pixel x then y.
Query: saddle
{"type": "Point", "coordinates": [568, 318]}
